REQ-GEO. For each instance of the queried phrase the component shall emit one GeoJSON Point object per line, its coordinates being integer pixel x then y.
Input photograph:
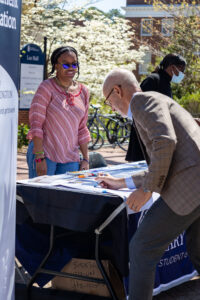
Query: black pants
{"type": "Point", "coordinates": [134, 152]}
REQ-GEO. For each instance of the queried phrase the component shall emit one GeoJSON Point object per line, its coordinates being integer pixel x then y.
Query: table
{"type": "Point", "coordinates": [77, 212]}
{"type": "Point", "coordinates": [83, 211]}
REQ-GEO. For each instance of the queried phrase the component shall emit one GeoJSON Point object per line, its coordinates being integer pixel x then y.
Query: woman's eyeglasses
{"type": "Point", "coordinates": [67, 66]}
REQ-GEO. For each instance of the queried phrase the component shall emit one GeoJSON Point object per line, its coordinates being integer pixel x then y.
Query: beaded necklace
{"type": "Point", "coordinates": [69, 96]}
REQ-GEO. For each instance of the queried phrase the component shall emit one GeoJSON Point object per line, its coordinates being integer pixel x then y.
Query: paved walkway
{"type": "Point", "coordinates": [187, 291]}
{"type": "Point", "coordinates": [111, 155]}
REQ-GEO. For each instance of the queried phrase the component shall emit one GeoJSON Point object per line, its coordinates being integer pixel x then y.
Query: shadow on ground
{"type": "Point", "coordinates": [51, 294]}
{"type": "Point", "coordinates": [187, 291]}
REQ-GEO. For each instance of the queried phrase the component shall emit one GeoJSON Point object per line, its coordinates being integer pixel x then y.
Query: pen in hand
{"type": "Point", "coordinates": [110, 182]}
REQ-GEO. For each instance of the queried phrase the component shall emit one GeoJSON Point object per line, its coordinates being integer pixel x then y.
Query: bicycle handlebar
{"type": "Point", "coordinates": [95, 106]}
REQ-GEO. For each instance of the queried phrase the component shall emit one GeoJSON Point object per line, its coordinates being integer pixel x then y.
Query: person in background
{"type": "Point", "coordinates": [58, 119]}
{"type": "Point", "coordinates": [172, 140]}
{"type": "Point", "coordinates": [171, 69]}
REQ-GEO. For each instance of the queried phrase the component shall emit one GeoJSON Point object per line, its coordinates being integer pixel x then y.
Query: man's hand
{"type": "Point", "coordinates": [109, 182]}
{"type": "Point", "coordinates": [137, 199]}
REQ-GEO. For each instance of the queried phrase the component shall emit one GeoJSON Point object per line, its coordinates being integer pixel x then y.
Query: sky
{"type": "Point", "coordinates": [106, 5]}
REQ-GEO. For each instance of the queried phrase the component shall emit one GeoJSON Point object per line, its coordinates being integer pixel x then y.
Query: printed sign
{"type": "Point", "coordinates": [32, 70]}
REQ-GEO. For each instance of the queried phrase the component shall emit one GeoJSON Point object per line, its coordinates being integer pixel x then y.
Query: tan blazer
{"type": "Point", "coordinates": [172, 140]}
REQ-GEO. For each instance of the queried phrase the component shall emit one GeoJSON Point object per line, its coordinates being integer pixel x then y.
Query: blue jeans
{"type": "Point", "coordinates": [53, 168]}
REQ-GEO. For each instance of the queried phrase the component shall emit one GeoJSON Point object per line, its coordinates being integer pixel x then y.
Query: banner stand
{"type": "Point", "coordinates": [10, 13]}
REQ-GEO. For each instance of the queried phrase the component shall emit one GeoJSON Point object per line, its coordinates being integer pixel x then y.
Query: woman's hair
{"type": "Point", "coordinates": [170, 59]}
{"type": "Point", "coordinates": [58, 52]}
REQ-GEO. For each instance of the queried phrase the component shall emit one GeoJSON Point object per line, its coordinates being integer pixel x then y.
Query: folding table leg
{"type": "Point", "coordinates": [21, 273]}
{"type": "Point", "coordinates": [98, 231]}
{"type": "Point", "coordinates": [102, 269]}
{"type": "Point", "coordinates": [28, 296]}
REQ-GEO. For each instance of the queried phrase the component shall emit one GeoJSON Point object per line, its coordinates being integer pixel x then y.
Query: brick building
{"type": "Point", "coordinates": [146, 18]}
{"type": "Point", "coordinates": [23, 116]}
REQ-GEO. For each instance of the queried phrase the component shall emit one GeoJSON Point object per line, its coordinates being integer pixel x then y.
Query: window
{"type": "Point", "coordinates": [167, 27]}
{"type": "Point", "coordinates": [143, 67]}
{"type": "Point", "coordinates": [146, 27]}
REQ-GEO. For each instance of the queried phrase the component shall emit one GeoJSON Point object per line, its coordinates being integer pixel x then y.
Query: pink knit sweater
{"type": "Point", "coordinates": [63, 127]}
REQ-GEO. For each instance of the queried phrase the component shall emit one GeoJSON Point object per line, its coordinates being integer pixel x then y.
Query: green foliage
{"type": "Point", "coordinates": [114, 13]}
{"type": "Point", "coordinates": [190, 102]}
{"type": "Point", "coordinates": [111, 14]}
{"type": "Point", "coordinates": [22, 133]}
{"type": "Point", "coordinates": [184, 41]}
{"type": "Point", "coordinates": [104, 109]}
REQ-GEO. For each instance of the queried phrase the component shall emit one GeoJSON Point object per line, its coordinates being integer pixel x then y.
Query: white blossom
{"type": "Point", "coordinates": [102, 43]}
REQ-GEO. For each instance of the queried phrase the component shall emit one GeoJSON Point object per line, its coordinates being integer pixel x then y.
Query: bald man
{"type": "Point", "coordinates": [172, 140]}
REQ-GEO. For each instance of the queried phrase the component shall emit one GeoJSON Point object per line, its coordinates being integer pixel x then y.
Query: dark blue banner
{"type": "Point", "coordinates": [10, 21]}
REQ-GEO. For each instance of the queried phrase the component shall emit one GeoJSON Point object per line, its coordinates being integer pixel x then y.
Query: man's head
{"type": "Point", "coordinates": [175, 66]}
{"type": "Point", "coordinates": [118, 89]}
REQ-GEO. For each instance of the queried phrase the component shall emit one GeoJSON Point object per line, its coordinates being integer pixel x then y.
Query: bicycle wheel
{"type": "Point", "coordinates": [94, 134]}
{"type": "Point", "coordinates": [123, 135]}
{"type": "Point", "coordinates": [112, 127]}
{"type": "Point", "coordinates": [99, 143]}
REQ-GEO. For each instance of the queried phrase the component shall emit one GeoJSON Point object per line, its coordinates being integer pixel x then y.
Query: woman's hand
{"type": "Point", "coordinates": [41, 168]}
{"type": "Point", "coordinates": [84, 165]}
{"type": "Point", "coordinates": [109, 182]}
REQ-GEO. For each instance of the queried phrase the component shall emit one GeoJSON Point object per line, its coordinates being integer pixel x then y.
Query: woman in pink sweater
{"type": "Point", "coordinates": [58, 119]}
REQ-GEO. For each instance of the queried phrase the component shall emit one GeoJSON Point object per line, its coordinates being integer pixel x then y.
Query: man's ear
{"type": "Point", "coordinates": [118, 90]}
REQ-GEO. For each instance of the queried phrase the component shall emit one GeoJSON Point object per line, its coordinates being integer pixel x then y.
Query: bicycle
{"type": "Point", "coordinates": [116, 130]}
{"type": "Point", "coordinates": [94, 130]}
{"type": "Point", "coordinates": [123, 135]}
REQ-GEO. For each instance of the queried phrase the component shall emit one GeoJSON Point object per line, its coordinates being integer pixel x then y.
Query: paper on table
{"type": "Point", "coordinates": [121, 170]}
{"type": "Point", "coordinates": [49, 179]}
{"type": "Point", "coordinates": [124, 193]}
{"type": "Point", "coordinates": [70, 180]}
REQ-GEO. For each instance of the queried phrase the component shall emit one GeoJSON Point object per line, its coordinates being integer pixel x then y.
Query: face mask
{"type": "Point", "coordinates": [179, 78]}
